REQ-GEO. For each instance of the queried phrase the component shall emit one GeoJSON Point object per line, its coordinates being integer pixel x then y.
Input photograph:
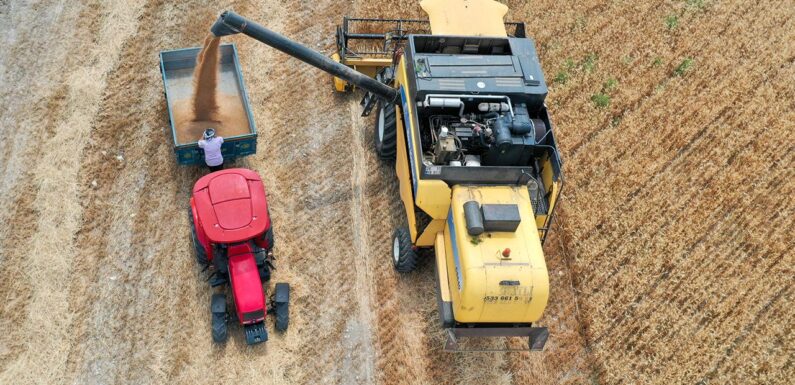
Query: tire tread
{"type": "Point", "coordinates": [407, 257]}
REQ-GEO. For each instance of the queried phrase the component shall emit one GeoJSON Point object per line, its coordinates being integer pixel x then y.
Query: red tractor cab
{"type": "Point", "coordinates": [233, 237]}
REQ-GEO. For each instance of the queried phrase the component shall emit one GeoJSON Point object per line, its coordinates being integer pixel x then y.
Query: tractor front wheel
{"type": "Point", "coordinates": [404, 258]}
{"type": "Point", "coordinates": [385, 131]}
{"type": "Point", "coordinates": [201, 254]}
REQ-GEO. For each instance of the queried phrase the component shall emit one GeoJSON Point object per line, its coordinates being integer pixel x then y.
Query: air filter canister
{"type": "Point", "coordinates": [473, 217]}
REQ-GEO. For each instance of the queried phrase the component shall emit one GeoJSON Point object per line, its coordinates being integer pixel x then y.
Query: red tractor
{"type": "Point", "coordinates": [233, 237]}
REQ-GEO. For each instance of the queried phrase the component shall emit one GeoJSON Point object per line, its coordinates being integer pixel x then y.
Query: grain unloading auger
{"type": "Point", "coordinates": [462, 113]}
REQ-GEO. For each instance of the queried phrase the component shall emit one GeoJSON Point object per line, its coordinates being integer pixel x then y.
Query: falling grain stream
{"type": "Point", "coordinates": [208, 107]}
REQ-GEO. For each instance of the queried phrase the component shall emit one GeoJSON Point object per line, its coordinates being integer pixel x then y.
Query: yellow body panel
{"type": "Point", "coordinates": [477, 268]}
{"type": "Point", "coordinates": [466, 17]}
{"type": "Point", "coordinates": [404, 177]}
{"type": "Point", "coordinates": [367, 66]}
{"type": "Point", "coordinates": [441, 271]}
{"type": "Point", "coordinates": [379, 62]}
{"type": "Point", "coordinates": [428, 237]}
{"type": "Point", "coordinates": [432, 196]}
{"type": "Point", "coordinates": [339, 84]}
{"type": "Point", "coordinates": [553, 188]}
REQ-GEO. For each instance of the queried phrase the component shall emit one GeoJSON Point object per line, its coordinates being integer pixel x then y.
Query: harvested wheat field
{"type": "Point", "coordinates": [671, 259]}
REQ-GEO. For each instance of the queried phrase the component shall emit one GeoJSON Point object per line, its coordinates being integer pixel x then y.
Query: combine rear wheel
{"type": "Point", "coordinates": [282, 306]}
{"type": "Point", "coordinates": [201, 254]}
{"type": "Point", "coordinates": [404, 258]}
{"type": "Point", "coordinates": [218, 309]}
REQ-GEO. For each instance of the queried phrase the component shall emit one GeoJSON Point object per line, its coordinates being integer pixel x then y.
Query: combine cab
{"type": "Point", "coordinates": [232, 236]}
{"type": "Point", "coordinates": [461, 112]}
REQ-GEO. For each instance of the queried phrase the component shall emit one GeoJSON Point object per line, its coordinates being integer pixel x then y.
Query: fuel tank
{"type": "Point", "coordinates": [496, 269]}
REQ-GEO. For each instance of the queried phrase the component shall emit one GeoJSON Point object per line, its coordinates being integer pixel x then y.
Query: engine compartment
{"type": "Point", "coordinates": [479, 102]}
{"type": "Point", "coordinates": [480, 130]}
{"type": "Point", "coordinates": [478, 114]}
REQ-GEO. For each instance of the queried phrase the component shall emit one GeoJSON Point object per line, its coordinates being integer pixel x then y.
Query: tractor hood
{"type": "Point", "coordinates": [231, 205]}
{"type": "Point", "coordinates": [231, 199]}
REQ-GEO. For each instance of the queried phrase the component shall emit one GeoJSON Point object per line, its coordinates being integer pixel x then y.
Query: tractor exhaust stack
{"type": "Point", "coordinates": [230, 23]}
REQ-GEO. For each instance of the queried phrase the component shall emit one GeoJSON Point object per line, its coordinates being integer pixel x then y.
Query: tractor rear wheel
{"type": "Point", "coordinates": [219, 319]}
{"type": "Point", "coordinates": [385, 131]}
{"type": "Point", "coordinates": [201, 254]}
{"type": "Point", "coordinates": [269, 238]}
{"type": "Point", "coordinates": [282, 306]}
{"type": "Point", "coordinates": [404, 258]}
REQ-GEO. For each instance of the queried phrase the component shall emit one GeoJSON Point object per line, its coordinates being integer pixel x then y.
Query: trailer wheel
{"type": "Point", "coordinates": [385, 131]}
{"type": "Point", "coordinates": [219, 317]}
{"type": "Point", "coordinates": [403, 256]}
{"type": "Point", "coordinates": [282, 306]}
{"type": "Point", "coordinates": [199, 251]}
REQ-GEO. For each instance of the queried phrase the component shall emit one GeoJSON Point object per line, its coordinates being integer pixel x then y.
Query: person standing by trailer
{"type": "Point", "coordinates": [211, 145]}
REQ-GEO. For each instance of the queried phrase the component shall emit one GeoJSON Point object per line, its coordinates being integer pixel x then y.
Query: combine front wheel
{"type": "Point", "coordinates": [385, 131]}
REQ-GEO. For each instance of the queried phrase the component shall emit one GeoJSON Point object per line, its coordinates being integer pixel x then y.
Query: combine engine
{"type": "Point", "coordinates": [461, 112]}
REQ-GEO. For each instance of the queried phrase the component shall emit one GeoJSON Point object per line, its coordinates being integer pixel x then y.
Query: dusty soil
{"type": "Point", "coordinates": [671, 261]}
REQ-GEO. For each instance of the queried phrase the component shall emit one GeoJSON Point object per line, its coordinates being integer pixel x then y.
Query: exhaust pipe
{"type": "Point", "coordinates": [230, 23]}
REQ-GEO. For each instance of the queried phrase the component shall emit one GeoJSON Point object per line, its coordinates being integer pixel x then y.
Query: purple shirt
{"type": "Point", "coordinates": [212, 151]}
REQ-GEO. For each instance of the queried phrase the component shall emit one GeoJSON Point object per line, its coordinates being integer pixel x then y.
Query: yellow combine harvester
{"type": "Point", "coordinates": [461, 110]}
